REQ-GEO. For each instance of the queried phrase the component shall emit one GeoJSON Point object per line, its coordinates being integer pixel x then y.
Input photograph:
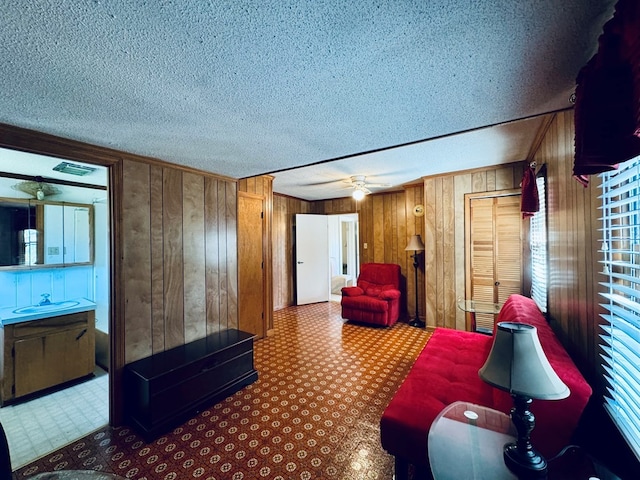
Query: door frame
{"type": "Point", "coordinates": [31, 141]}
{"type": "Point", "coordinates": [468, 197]}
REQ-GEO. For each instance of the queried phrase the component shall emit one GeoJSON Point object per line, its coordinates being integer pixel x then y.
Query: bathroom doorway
{"type": "Point", "coordinates": [46, 420]}
{"type": "Point", "coordinates": [343, 252]}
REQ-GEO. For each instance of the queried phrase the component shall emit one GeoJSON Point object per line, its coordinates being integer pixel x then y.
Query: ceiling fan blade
{"type": "Point", "coordinates": [378, 185]}
{"type": "Point", "coordinates": [317, 184]}
{"type": "Point", "coordinates": [32, 188]}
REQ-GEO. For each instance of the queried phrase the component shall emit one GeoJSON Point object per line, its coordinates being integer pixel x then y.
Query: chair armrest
{"type": "Point", "coordinates": [352, 291]}
{"type": "Point", "coordinates": [389, 294]}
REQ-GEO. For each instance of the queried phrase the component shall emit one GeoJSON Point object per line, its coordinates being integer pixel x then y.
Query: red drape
{"type": "Point", "coordinates": [529, 200]}
{"type": "Point", "coordinates": [607, 108]}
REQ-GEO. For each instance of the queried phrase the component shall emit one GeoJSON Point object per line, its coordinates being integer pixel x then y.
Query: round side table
{"type": "Point", "coordinates": [76, 475]}
{"type": "Point", "coordinates": [466, 441]}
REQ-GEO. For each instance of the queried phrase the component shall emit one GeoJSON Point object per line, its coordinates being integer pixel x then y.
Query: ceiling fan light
{"type": "Point", "coordinates": [357, 194]}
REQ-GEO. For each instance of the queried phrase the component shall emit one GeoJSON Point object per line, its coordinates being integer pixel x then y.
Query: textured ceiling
{"type": "Point", "coordinates": [241, 88]}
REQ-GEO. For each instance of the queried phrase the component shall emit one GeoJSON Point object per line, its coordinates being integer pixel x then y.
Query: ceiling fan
{"type": "Point", "coordinates": [37, 187]}
{"type": "Point", "coordinates": [361, 187]}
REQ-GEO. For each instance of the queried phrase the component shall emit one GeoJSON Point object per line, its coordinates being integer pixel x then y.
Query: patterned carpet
{"type": "Point", "coordinates": [313, 413]}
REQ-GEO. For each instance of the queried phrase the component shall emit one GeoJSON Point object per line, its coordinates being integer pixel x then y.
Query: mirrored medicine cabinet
{"type": "Point", "coordinates": [36, 233]}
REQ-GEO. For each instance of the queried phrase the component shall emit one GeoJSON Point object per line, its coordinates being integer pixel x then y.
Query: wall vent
{"type": "Point", "coordinates": [73, 168]}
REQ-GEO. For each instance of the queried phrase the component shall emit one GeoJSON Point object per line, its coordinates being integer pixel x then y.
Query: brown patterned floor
{"type": "Point", "coordinates": [313, 413]}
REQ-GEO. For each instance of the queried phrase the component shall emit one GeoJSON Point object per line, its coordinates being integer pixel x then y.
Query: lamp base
{"type": "Point", "coordinates": [416, 322]}
{"type": "Point", "coordinates": [525, 465]}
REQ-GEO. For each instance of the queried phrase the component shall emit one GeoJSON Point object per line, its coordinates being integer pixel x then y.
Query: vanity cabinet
{"type": "Point", "coordinates": [40, 354]}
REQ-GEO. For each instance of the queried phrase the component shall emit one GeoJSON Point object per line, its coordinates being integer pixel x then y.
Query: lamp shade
{"type": "Point", "coordinates": [517, 364]}
{"type": "Point", "coordinates": [415, 244]}
{"type": "Point", "coordinates": [358, 194]}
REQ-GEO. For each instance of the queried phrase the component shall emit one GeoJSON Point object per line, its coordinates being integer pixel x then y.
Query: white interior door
{"type": "Point", "coordinates": [312, 259]}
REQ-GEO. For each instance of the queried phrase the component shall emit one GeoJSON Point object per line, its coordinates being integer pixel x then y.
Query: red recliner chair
{"type": "Point", "coordinates": [376, 298]}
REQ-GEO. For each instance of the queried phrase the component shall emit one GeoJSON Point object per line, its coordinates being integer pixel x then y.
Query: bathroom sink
{"type": "Point", "coordinates": [49, 307]}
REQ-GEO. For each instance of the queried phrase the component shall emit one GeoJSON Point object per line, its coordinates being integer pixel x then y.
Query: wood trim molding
{"type": "Point", "coordinates": [116, 300]}
{"type": "Point", "coordinates": [475, 170]}
{"type": "Point", "coordinates": [43, 144]}
{"type": "Point", "coordinates": [276, 194]}
{"type": "Point", "coordinates": [542, 133]}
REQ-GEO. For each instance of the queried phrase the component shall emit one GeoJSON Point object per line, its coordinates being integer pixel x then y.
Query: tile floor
{"type": "Point", "coordinates": [44, 424]}
{"type": "Point", "coordinates": [313, 413]}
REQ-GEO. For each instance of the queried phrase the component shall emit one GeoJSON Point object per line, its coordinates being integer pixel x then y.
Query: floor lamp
{"type": "Point", "coordinates": [416, 245]}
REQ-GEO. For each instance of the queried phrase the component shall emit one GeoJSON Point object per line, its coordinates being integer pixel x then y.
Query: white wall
{"type": "Point", "coordinates": [19, 288]}
{"type": "Point", "coordinates": [25, 287]}
{"type": "Point", "coordinates": [101, 264]}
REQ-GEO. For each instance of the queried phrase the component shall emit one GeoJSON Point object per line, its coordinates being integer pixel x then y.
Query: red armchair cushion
{"type": "Point", "coordinates": [389, 294]}
{"type": "Point", "coordinates": [352, 291]}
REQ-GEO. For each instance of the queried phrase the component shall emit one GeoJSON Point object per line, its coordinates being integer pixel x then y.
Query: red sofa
{"type": "Point", "coordinates": [447, 370]}
{"type": "Point", "coordinates": [376, 297]}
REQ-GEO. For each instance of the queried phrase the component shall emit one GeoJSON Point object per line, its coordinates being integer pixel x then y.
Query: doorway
{"type": "Point", "coordinates": [493, 250]}
{"type": "Point", "coordinates": [40, 423]}
{"type": "Point", "coordinates": [343, 239]}
{"type": "Point", "coordinates": [327, 252]}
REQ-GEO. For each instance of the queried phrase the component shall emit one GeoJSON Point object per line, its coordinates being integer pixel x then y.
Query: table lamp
{"type": "Point", "coordinates": [518, 365]}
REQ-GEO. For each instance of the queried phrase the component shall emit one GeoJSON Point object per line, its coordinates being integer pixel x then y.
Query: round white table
{"type": "Point", "coordinates": [466, 441]}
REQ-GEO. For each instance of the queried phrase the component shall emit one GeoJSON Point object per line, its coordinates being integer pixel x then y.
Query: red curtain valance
{"type": "Point", "coordinates": [607, 108]}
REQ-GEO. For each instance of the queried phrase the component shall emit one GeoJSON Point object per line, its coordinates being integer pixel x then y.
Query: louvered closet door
{"type": "Point", "coordinates": [482, 252]}
{"type": "Point", "coordinates": [496, 252]}
{"type": "Point", "coordinates": [508, 247]}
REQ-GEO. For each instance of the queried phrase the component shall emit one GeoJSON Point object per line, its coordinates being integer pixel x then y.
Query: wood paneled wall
{"type": "Point", "coordinates": [386, 223]}
{"type": "Point", "coordinates": [445, 236]}
{"type": "Point", "coordinates": [263, 186]}
{"type": "Point", "coordinates": [173, 250]}
{"type": "Point", "coordinates": [179, 258]}
{"type": "Point", "coordinates": [573, 247]}
{"type": "Point", "coordinates": [284, 211]}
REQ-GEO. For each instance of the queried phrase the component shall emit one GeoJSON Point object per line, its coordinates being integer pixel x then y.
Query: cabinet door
{"type": "Point", "coordinates": [42, 362]}
{"type": "Point", "coordinates": [76, 234]}
{"type": "Point", "coordinates": [53, 234]}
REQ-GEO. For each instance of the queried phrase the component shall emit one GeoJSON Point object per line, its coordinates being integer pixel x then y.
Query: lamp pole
{"type": "Point", "coordinates": [416, 245]}
{"type": "Point", "coordinates": [416, 322]}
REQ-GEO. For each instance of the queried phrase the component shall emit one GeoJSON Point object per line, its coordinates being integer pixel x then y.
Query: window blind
{"type": "Point", "coordinates": [620, 340]}
{"type": "Point", "coordinates": [538, 247]}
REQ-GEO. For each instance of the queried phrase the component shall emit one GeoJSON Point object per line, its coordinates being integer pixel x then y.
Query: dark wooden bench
{"type": "Point", "coordinates": [168, 388]}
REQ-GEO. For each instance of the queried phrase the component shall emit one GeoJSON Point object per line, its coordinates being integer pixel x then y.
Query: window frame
{"type": "Point", "coordinates": [538, 247]}
{"type": "Point", "coordinates": [620, 332]}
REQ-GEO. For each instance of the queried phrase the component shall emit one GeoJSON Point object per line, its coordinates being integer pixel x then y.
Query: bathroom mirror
{"type": "Point", "coordinates": [37, 233]}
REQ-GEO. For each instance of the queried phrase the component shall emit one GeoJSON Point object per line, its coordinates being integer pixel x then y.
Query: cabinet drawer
{"type": "Point", "coordinates": [37, 328]}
